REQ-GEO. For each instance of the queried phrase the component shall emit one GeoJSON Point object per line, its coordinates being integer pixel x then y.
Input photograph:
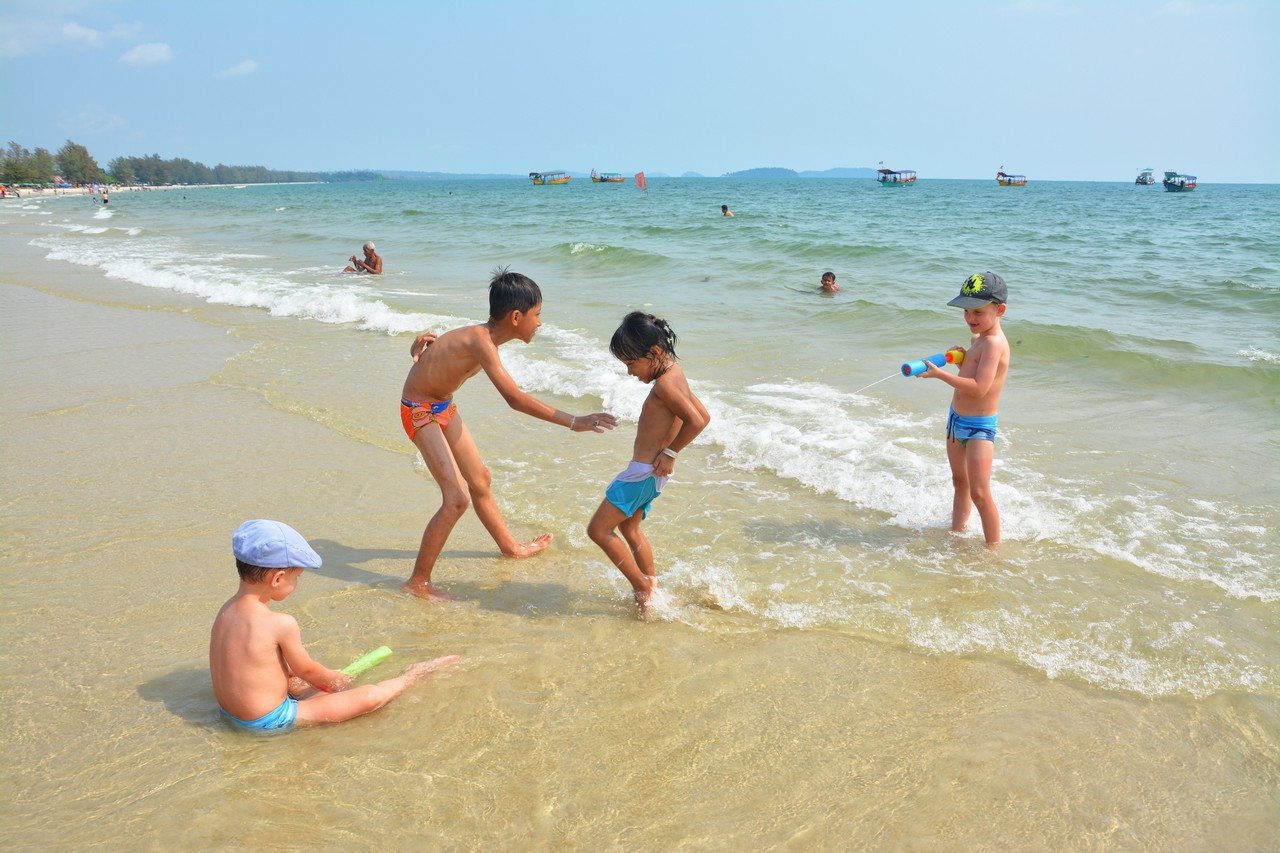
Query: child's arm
{"type": "Point", "coordinates": [487, 356]}
{"type": "Point", "coordinates": [300, 664]}
{"type": "Point", "coordinates": [676, 395]}
{"type": "Point", "coordinates": [983, 379]}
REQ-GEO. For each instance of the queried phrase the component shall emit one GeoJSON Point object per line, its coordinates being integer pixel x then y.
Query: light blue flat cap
{"type": "Point", "coordinates": [272, 545]}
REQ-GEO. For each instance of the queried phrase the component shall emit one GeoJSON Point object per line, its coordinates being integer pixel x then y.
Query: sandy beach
{"type": "Point", "coordinates": [142, 425]}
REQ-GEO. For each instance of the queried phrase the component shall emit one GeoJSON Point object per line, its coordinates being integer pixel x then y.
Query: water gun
{"type": "Point", "coordinates": [951, 356]}
{"type": "Point", "coordinates": [372, 659]}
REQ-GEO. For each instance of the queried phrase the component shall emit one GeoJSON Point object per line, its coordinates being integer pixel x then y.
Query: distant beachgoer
{"type": "Point", "coordinates": [431, 420]}
{"type": "Point", "coordinates": [971, 424]}
{"type": "Point", "coordinates": [371, 264]}
{"type": "Point", "coordinates": [829, 283]}
{"type": "Point", "coordinates": [725, 211]}
{"type": "Point", "coordinates": [262, 675]}
{"type": "Point", "coordinates": [671, 417]}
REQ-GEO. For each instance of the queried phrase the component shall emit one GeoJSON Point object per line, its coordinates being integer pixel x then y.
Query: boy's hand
{"type": "Point", "coordinates": [420, 344]}
{"type": "Point", "coordinates": [931, 370]}
{"type": "Point", "coordinates": [597, 422]}
{"type": "Point", "coordinates": [341, 681]}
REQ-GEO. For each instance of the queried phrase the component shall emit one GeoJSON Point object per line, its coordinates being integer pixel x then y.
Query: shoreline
{"type": "Point", "coordinates": [55, 192]}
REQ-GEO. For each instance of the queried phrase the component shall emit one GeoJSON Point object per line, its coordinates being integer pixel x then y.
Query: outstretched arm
{"type": "Point", "coordinates": [487, 356]}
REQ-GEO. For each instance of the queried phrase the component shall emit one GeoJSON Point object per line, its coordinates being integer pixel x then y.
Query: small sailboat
{"type": "Point", "coordinates": [640, 182]}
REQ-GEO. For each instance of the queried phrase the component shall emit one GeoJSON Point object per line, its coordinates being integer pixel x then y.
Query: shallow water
{"type": "Point", "coordinates": [828, 664]}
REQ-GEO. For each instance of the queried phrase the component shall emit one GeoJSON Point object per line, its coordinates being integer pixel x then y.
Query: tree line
{"type": "Point", "coordinates": [75, 165]}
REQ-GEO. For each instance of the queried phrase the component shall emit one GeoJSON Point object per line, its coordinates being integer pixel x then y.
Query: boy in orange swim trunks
{"type": "Point", "coordinates": [432, 422]}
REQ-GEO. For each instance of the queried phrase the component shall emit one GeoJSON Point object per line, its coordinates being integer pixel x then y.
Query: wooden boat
{"type": "Point", "coordinates": [607, 177]}
{"type": "Point", "coordinates": [541, 178]}
{"type": "Point", "coordinates": [895, 178]}
{"type": "Point", "coordinates": [1175, 183]}
{"type": "Point", "coordinates": [1146, 177]}
{"type": "Point", "coordinates": [1010, 180]}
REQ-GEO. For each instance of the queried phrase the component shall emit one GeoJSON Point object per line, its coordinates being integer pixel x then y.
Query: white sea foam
{"type": "Point", "coordinates": [1260, 356]}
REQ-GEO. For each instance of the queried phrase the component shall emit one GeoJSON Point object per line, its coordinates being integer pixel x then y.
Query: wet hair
{"type": "Point", "coordinates": [251, 573]}
{"type": "Point", "coordinates": [828, 275]}
{"type": "Point", "coordinates": [510, 291]}
{"type": "Point", "coordinates": [638, 334]}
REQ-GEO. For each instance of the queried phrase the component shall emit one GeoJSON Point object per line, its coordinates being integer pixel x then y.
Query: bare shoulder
{"type": "Point", "coordinates": [672, 378]}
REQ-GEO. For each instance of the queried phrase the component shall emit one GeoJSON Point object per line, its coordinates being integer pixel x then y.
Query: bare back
{"type": "Point", "coordinates": [245, 661]}
{"type": "Point", "coordinates": [450, 361]}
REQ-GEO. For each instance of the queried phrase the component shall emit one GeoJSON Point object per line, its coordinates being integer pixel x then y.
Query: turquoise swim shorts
{"type": "Point", "coordinates": [281, 718]}
{"type": "Point", "coordinates": [964, 427]}
{"type": "Point", "coordinates": [635, 489]}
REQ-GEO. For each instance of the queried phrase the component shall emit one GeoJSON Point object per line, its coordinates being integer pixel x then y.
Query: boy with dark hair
{"type": "Point", "coordinates": [431, 420]}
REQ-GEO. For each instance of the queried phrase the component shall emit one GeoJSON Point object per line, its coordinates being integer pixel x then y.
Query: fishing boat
{"type": "Point", "coordinates": [541, 178]}
{"type": "Point", "coordinates": [1175, 183]}
{"type": "Point", "coordinates": [1146, 177]}
{"type": "Point", "coordinates": [1010, 180]}
{"type": "Point", "coordinates": [895, 178]}
{"type": "Point", "coordinates": [607, 177]}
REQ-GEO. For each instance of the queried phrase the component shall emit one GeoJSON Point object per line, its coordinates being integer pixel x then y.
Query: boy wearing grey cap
{"type": "Point", "coordinates": [971, 424]}
{"type": "Point", "coordinates": [256, 658]}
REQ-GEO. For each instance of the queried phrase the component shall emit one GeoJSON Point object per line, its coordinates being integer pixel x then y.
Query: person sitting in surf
{"type": "Point", "coordinates": [371, 264]}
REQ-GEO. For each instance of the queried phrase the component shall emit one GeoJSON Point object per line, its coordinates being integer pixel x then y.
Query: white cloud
{"type": "Point", "coordinates": [153, 53]}
{"type": "Point", "coordinates": [79, 33]}
{"type": "Point", "coordinates": [246, 67]}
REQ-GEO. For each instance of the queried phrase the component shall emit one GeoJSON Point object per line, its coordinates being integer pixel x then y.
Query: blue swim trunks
{"type": "Point", "coordinates": [964, 427]}
{"type": "Point", "coordinates": [281, 718]}
{"type": "Point", "coordinates": [635, 488]}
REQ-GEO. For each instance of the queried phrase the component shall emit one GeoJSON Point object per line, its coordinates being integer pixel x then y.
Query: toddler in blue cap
{"type": "Point", "coordinates": [263, 678]}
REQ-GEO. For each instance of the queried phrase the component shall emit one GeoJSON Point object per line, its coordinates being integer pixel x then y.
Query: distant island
{"type": "Point", "coordinates": [777, 172]}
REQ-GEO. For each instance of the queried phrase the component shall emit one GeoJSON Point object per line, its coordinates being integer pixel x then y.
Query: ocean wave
{"type": "Point", "coordinates": [160, 263]}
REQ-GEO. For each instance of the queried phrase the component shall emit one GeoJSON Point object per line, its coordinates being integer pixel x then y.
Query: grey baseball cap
{"type": "Point", "coordinates": [979, 289]}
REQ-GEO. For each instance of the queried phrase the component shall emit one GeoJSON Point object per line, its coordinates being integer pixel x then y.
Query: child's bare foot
{"type": "Point", "coordinates": [414, 671]}
{"type": "Point", "coordinates": [426, 591]}
{"type": "Point", "coordinates": [528, 549]}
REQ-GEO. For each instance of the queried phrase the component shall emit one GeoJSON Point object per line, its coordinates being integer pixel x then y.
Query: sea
{"type": "Point", "coordinates": [828, 667]}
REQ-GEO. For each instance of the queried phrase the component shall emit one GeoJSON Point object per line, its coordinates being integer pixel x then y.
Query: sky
{"type": "Point", "coordinates": [1053, 89]}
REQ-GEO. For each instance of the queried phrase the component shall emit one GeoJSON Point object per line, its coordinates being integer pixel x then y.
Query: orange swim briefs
{"type": "Point", "coordinates": [414, 416]}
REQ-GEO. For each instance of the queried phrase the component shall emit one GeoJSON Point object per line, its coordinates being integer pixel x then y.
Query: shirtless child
{"type": "Point", "coordinates": [432, 422]}
{"type": "Point", "coordinates": [672, 416]}
{"type": "Point", "coordinates": [261, 672]}
{"type": "Point", "coordinates": [971, 423]}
